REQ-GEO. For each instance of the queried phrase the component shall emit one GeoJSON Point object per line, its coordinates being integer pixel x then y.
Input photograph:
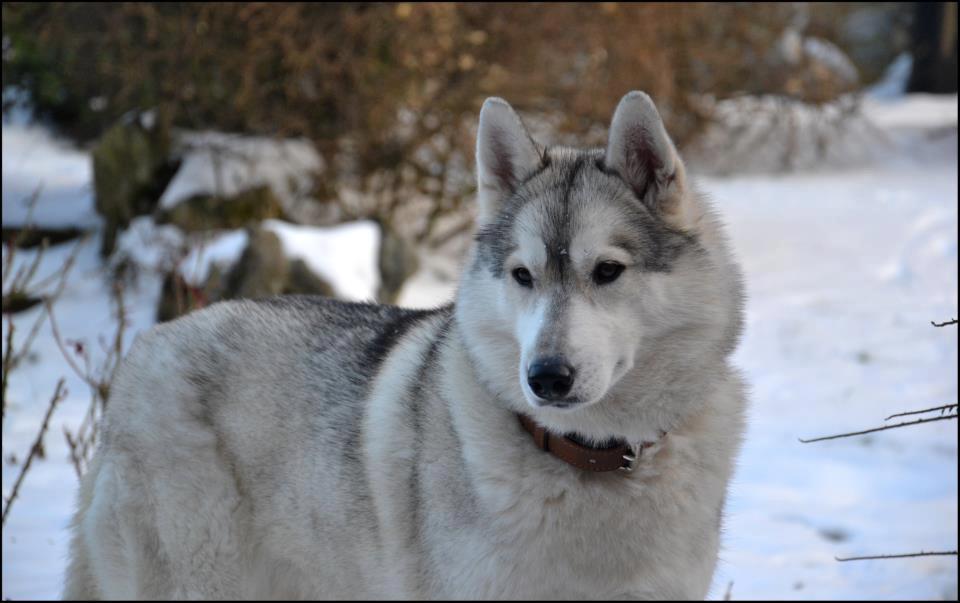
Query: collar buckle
{"type": "Point", "coordinates": [630, 459]}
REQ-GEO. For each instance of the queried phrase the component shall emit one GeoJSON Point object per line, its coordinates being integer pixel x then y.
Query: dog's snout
{"type": "Point", "coordinates": [550, 378]}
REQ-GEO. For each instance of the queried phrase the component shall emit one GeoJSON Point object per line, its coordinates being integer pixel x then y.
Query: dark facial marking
{"type": "Point", "coordinates": [654, 245]}
{"type": "Point", "coordinates": [657, 246]}
{"type": "Point", "coordinates": [495, 239]}
{"type": "Point", "coordinates": [557, 225]}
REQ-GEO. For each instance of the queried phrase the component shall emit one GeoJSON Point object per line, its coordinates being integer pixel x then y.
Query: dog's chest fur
{"type": "Point", "coordinates": [478, 511]}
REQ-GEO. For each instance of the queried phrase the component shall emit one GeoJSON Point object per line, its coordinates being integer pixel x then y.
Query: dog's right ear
{"type": "Point", "coordinates": [506, 154]}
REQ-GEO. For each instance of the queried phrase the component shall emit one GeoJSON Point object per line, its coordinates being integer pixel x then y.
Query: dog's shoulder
{"type": "Point", "coordinates": [289, 350]}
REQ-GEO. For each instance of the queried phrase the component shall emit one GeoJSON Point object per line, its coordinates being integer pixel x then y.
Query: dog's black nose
{"type": "Point", "coordinates": [550, 378]}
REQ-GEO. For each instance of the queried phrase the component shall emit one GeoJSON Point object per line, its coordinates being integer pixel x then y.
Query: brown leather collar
{"type": "Point", "coordinates": [623, 456]}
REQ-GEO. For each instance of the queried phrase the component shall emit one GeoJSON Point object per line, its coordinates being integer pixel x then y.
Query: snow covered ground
{"type": "Point", "coordinates": [844, 268]}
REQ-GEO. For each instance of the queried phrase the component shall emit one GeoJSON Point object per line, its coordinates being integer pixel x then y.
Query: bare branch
{"type": "Point", "coordinates": [75, 453]}
{"type": "Point", "coordinates": [942, 409]}
{"type": "Point", "coordinates": [855, 433]}
{"type": "Point", "coordinates": [58, 395]}
{"type": "Point", "coordinates": [83, 374]}
{"type": "Point", "coordinates": [905, 555]}
{"type": "Point", "coordinates": [98, 377]}
{"type": "Point", "coordinates": [7, 365]}
{"type": "Point", "coordinates": [12, 357]}
{"type": "Point", "coordinates": [945, 323]}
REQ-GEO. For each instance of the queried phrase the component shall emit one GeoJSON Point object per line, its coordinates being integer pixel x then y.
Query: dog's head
{"type": "Point", "coordinates": [590, 266]}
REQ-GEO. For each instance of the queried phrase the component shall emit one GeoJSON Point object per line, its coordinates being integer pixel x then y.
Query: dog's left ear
{"type": "Point", "coordinates": [641, 152]}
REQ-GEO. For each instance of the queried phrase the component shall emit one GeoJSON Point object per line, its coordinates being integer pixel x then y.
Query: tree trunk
{"type": "Point", "coordinates": [934, 47]}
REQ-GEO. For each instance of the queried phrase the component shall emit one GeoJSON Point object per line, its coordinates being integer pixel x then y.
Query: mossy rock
{"type": "Point", "coordinates": [262, 271]}
{"type": "Point", "coordinates": [211, 212]}
{"type": "Point", "coordinates": [398, 261]}
{"type": "Point", "coordinates": [177, 297]}
{"type": "Point", "coordinates": [305, 281]}
{"type": "Point", "coordinates": [132, 165]}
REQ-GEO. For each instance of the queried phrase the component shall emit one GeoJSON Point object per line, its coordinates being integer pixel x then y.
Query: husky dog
{"type": "Point", "coordinates": [309, 448]}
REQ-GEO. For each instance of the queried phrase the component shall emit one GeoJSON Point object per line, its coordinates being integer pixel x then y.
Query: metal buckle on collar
{"type": "Point", "coordinates": [631, 459]}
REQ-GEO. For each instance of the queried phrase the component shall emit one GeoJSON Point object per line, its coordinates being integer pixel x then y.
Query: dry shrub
{"type": "Point", "coordinates": [390, 92]}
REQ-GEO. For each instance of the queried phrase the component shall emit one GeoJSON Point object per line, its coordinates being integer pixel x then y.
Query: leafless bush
{"type": "Point", "coordinates": [22, 288]}
{"type": "Point", "coordinates": [98, 378]}
{"type": "Point", "coordinates": [389, 92]}
{"type": "Point", "coordinates": [19, 285]}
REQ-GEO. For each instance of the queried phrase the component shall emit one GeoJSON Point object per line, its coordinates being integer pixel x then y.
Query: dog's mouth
{"type": "Point", "coordinates": [559, 404]}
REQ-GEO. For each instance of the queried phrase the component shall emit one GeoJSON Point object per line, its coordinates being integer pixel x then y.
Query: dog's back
{"type": "Point", "coordinates": [245, 405]}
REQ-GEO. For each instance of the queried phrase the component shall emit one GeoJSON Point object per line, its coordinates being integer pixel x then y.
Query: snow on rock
{"type": "Point", "coordinates": [33, 159]}
{"type": "Point", "coordinates": [831, 56]}
{"type": "Point", "coordinates": [774, 134]}
{"type": "Point", "coordinates": [149, 245]}
{"type": "Point", "coordinates": [345, 256]}
{"type": "Point", "coordinates": [770, 134]}
{"type": "Point", "coordinates": [221, 250]}
{"type": "Point", "coordinates": [794, 47]}
{"type": "Point", "coordinates": [221, 164]}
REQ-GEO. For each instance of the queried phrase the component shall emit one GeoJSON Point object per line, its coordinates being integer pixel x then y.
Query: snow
{"type": "Point", "coordinates": [845, 266]}
{"type": "Point", "coordinates": [893, 84]}
{"type": "Point", "coordinates": [922, 112]}
{"type": "Point", "coordinates": [844, 273]}
{"type": "Point", "coordinates": [226, 164]}
{"type": "Point", "coordinates": [33, 160]}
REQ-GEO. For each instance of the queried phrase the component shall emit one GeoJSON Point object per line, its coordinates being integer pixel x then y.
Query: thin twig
{"type": "Point", "coordinates": [917, 412]}
{"type": "Point", "coordinates": [7, 365]}
{"type": "Point", "coordinates": [63, 350]}
{"type": "Point", "coordinates": [920, 554]}
{"type": "Point", "coordinates": [945, 323]}
{"type": "Point", "coordinates": [855, 433]}
{"type": "Point", "coordinates": [59, 276]}
{"type": "Point", "coordinates": [74, 451]}
{"type": "Point", "coordinates": [728, 595]}
{"type": "Point", "coordinates": [58, 395]}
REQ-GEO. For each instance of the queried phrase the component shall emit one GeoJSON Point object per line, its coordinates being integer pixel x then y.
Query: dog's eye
{"type": "Point", "coordinates": [607, 272]}
{"type": "Point", "coordinates": [523, 276]}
